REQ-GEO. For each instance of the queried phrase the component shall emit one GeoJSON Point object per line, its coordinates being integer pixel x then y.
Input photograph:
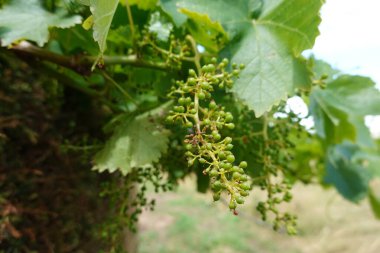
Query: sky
{"type": "Point", "coordinates": [350, 36]}
{"type": "Point", "coordinates": [350, 41]}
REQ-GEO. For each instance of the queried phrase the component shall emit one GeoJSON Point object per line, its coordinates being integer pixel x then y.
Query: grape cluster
{"type": "Point", "coordinates": [197, 111]}
{"type": "Point", "coordinates": [173, 55]}
{"type": "Point", "coordinates": [270, 139]}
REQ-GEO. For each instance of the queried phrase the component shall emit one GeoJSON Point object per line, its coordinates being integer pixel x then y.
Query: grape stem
{"type": "Point", "coordinates": [197, 59]}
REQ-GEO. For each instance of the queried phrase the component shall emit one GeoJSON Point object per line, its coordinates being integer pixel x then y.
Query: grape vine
{"type": "Point", "coordinates": [154, 91]}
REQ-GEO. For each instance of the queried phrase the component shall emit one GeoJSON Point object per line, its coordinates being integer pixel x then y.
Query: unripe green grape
{"type": "Point", "coordinates": [227, 166]}
{"type": "Point", "coordinates": [229, 83]}
{"type": "Point", "coordinates": [245, 186]}
{"type": "Point", "coordinates": [243, 164]}
{"type": "Point", "coordinates": [229, 117]}
{"type": "Point", "coordinates": [202, 160]}
{"type": "Point", "coordinates": [205, 85]}
{"type": "Point", "coordinates": [217, 137]}
{"type": "Point", "coordinates": [236, 72]}
{"type": "Point", "coordinates": [225, 61]}
{"type": "Point", "coordinates": [201, 95]}
{"type": "Point", "coordinates": [230, 125]}
{"type": "Point", "coordinates": [228, 140]}
{"type": "Point", "coordinates": [211, 67]}
{"type": "Point", "coordinates": [209, 146]}
{"type": "Point", "coordinates": [235, 169]}
{"type": "Point", "coordinates": [192, 81]}
{"type": "Point", "coordinates": [216, 196]}
{"type": "Point", "coordinates": [188, 100]}
{"type": "Point", "coordinates": [221, 155]}
{"type": "Point", "coordinates": [170, 119]}
{"type": "Point", "coordinates": [239, 200]}
{"type": "Point", "coordinates": [182, 101]}
{"type": "Point", "coordinates": [212, 105]}
{"type": "Point", "coordinates": [229, 146]}
{"type": "Point", "coordinates": [179, 109]}
{"type": "Point", "coordinates": [232, 205]}
{"type": "Point", "coordinates": [217, 185]}
{"type": "Point", "coordinates": [221, 85]}
{"type": "Point", "coordinates": [186, 88]}
{"type": "Point", "coordinates": [242, 66]}
{"type": "Point", "coordinates": [214, 60]}
{"type": "Point", "coordinates": [230, 158]}
{"type": "Point", "coordinates": [193, 111]}
{"type": "Point", "coordinates": [192, 72]}
{"type": "Point", "coordinates": [189, 146]}
{"type": "Point", "coordinates": [244, 193]}
{"type": "Point", "coordinates": [206, 122]}
{"type": "Point", "coordinates": [189, 124]}
{"type": "Point", "coordinates": [213, 173]}
{"type": "Point", "coordinates": [236, 175]}
{"type": "Point", "coordinates": [244, 178]}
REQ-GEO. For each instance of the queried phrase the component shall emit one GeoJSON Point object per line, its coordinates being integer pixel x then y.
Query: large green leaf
{"type": "Point", "coordinates": [354, 94]}
{"type": "Point", "coordinates": [270, 50]}
{"type": "Point", "coordinates": [103, 12]}
{"type": "Point", "coordinates": [351, 179]}
{"type": "Point", "coordinates": [270, 43]}
{"type": "Point", "coordinates": [28, 20]}
{"type": "Point", "coordinates": [137, 143]}
{"type": "Point", "coordinates": [271, 73]}
{"type": "Point", "coordinates": [339, 110]}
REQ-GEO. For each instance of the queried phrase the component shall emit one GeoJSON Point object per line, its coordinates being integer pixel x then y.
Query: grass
{"type": "Point", "coordinates": [188, 222]}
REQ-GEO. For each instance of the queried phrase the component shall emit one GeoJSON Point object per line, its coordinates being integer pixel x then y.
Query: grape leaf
{"type": "Point", "coordinates": [270, 50]}
{"type": "Point", "coordinates": [209, 34]}
{"type": "Point", "coordinates": [350, 178]}
{"type": "Point", "coordinates": [28, 20]}
{"type": "Point", "coordinates": [135, 143]}
{"type": "Point", "coordinates": [142, 4]}
{"type": "Point", "coordinates": [269, 44]}
{"type": "Point", "coordinates": [354, 95]}
{"type": "Point", "coordinates": [103, 12]}
{"type": "Point", "coordinates": [339, 110]}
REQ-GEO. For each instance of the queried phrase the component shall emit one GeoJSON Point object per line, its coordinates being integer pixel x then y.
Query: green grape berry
{"type": "Point", "coordinates": [230, 158]}
{"type": "Point", "coordinates": [201, 95]}
{"type": "Point", "coordinates": [228, 140]}
{"type": "Point", "coordinates": [239, 200]}
{"type": "Point", "coordinates": [213, 173]}
{"type": "Point", "coordinates": [243, 165]}
{"type": "Point", "coordinates": [216, 196]}
{"type": "Point", "coordinates": [212, 105]}
{"type": "Point", "coordinates": [232, 205]}
{"type": "Point", "coordinates": [230, 125]}
{"type": "Point", "coordinates": [192, 73]}
{"type": "Point", "coordinates": [229, 147]}
{"type": "Point", "coordinates": [182, 101]}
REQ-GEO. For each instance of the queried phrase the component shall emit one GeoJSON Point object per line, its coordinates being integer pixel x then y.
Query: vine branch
{"type": "Point", "coordinates": [82, 63]}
